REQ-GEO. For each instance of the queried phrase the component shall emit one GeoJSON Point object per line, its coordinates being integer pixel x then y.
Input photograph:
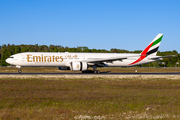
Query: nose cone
{"type": "Point", "coordinates": [8, 60]}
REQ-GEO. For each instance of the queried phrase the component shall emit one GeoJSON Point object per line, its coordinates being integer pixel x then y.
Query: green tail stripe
{"type": "Point", "coordinates": [157, 41]}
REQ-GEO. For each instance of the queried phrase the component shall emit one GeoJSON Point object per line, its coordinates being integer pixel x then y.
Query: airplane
{"type": "Point", "coordinates": [83, 61]}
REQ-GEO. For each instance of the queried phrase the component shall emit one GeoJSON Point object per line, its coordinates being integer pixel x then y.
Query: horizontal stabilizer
{"type": "Point", "coordinates": [158, 57]}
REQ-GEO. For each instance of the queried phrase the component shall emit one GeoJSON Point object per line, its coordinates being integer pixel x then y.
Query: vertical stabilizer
{"type": "Point", "coordinates": [151, 49]}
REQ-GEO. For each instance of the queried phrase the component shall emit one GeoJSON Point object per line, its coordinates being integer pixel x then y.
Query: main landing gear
{"type": "Point", "coordinates": [96, 71]}
{"type": "Point", "coordinates": [91, 71]}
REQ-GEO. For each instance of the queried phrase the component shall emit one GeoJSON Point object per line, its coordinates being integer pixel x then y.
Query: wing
{"type": "Point", "coordinates": [98, 60]}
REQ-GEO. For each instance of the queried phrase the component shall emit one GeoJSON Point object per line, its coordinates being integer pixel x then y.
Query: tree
{"type": "Point", "coordinates": [5, 55]}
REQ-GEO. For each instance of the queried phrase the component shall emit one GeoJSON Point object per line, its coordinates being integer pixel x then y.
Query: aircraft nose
{"type": "Point", "coordinates": [8, 60]}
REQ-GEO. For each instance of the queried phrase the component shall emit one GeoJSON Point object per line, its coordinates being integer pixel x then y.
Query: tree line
{"type": "Point", "coordinates": [8, 50]}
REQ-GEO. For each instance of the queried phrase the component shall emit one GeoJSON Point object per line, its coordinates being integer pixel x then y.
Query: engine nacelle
{"type": "Point", "coordinates": [79, 66]}
{"type": "Point", "coordinates": [64, 68]}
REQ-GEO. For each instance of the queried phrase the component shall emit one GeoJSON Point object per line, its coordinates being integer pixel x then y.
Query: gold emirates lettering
{"type": "Point", "coordinates": [43, 58]}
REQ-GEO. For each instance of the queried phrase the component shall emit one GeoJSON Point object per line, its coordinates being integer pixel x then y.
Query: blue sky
{"type": "Point", "coordinates": [100, 24]}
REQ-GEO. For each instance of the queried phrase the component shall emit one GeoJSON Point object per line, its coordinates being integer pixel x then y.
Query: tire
{"type": "Point", "coordinates": [19, 71]}
{"type": "Point", "coordinates": [96, 71]}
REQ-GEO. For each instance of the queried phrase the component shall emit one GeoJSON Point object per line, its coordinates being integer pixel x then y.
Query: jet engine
{"type": "Point", "coordinates": [79, 66]}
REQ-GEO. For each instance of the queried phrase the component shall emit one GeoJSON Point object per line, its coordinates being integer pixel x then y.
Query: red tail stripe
{"type": "Point", "coordinates": [143, 54]}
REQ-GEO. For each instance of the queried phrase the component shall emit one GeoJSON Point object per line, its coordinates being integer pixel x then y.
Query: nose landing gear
{"type": "Point", "coordinates": [19, 69]}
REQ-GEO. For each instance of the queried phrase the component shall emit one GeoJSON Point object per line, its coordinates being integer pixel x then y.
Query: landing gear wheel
{"type": "Point", "coordinates": [91, 71]}
{"type": "Point", "coordinates": [19, 71]}
{"type": "Point", "coordinates": [88, 71]}
{"type": "Point", "coordinates": [96, 71]}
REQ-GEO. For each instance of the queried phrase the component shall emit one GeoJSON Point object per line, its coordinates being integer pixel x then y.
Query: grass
{"type": "Point", "coordinates": [89, 98]}
{"type": "Point", "coordinates": [110, 70]}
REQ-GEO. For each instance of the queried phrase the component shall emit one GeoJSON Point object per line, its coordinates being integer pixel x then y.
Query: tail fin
{"type": "Point", "coordinates": [152, 48]}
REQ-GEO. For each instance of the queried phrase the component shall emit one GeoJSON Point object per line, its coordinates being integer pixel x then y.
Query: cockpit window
{"type": "Point", "coordinates": [11, 57]}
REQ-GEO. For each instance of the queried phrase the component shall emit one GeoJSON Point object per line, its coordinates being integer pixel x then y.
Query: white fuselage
{"type": "Point", "coordinates": [64, 59]}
